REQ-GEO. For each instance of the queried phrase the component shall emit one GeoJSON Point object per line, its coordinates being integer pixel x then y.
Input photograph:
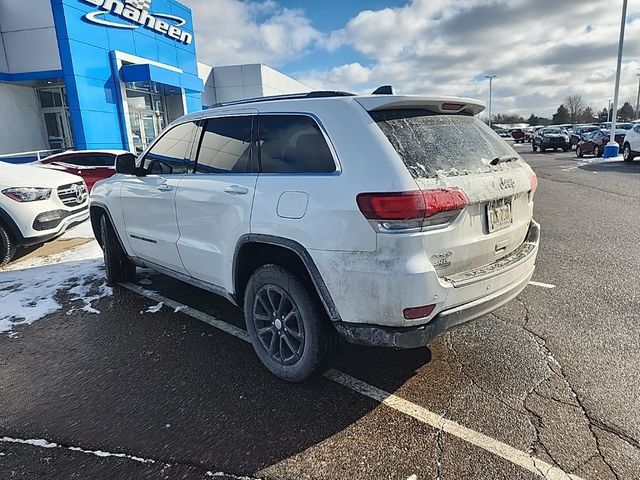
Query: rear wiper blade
{"type": "Point", "coordinates": [502, 159]}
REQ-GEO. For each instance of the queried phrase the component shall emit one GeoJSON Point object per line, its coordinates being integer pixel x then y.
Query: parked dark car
{"type": "Point", "coordinates": [551, 138]}
{"type": "Point", "coordinates": [91, 165]}
{"type": "Point", "coordinates": [594, 142]}
{"type": "Point", "coordinates": [580, 132]}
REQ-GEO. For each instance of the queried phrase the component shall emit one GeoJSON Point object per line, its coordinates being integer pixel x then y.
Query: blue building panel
{"type": "Point", "coordinates": [90, 32]}
{"type": "Point", "coordinates": [93, 63]}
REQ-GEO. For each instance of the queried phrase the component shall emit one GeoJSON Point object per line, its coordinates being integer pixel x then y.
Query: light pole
{"type": "Point", "coordinates": [613, 149]}
{"type": "Point", "coordinates": [491, 77]}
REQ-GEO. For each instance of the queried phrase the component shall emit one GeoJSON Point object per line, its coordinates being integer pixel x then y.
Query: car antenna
{"type": "Point", "coordinates": [384, 90]}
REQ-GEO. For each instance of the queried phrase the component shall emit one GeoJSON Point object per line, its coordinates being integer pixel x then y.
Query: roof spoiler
{"type": "Point", "coordinates": [443, 105]}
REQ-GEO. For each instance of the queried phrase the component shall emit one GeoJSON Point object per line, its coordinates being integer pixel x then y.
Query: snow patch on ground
{"type": "Point", "coordinates": [619, 158]}
{"type": "Point", "coordinates": [154, 308]}
{"type": "Point", "coordinates": [28, 289]}
{"type": "Point", "coordinates": [97, 453]}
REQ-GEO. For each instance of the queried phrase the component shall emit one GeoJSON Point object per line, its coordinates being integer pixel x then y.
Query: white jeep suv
{"type": "Point", "coordinates": [383, 219]}
{"type": "Point", "coordinates": [37, 205]}
{"type": "Point", "coordinates": [631, 144]}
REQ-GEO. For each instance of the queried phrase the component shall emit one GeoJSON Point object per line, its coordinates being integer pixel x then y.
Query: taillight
{"type": "Point", "coordinates": [534, 182]}
{"type": "Point", "coordinates": [403, 211]}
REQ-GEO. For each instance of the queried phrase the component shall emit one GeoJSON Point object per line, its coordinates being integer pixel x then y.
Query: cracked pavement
{"type": "Point", "coordinates": [553, 373]}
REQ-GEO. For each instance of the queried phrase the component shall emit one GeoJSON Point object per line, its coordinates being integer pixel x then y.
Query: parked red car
{"type": "Point", "coordinates": [518, 135]}
{"type": "Point", "coordinates": [594, 143]}
{"type": "Point", "coordinates": [91, 165]}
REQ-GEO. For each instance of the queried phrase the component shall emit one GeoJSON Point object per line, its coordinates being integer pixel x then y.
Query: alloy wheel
{"type": "Point", "coordinates": [278, 324]}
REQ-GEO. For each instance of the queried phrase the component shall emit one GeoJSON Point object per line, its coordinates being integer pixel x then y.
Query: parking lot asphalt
{"type": "Point", "coordinates": [551, 376]}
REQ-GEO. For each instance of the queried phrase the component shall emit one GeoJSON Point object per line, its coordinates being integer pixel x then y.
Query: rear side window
{"type": "Point", "coordinates": [432, 144]}
{"type": "Point", "coordinates": [170, 154]}
{"type": "Point", "coordinates": [91, 160]}
{"type": "Point", "coordinates": [293, 144]}
{"type": "Point", "coordinates": [225, 145]}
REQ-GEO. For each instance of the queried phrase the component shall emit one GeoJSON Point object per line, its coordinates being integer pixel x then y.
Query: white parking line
{"type": "Point", "coordinates": [543, 285]}
{"type": "Point", "coordinates": [496, 447]}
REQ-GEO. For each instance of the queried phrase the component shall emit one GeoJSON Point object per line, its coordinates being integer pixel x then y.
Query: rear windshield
{"type": "Point", "coordinates": [431, 144]}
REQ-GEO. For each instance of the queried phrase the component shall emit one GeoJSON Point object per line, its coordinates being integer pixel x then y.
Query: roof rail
{"type": "Point", "coordinates": [291, 96]}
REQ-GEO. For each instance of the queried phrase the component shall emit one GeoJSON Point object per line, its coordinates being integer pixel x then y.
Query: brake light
{"type": "Point", "coordinates": [401, 211]}
{"type": "Point", "coordinates": [454, 107]}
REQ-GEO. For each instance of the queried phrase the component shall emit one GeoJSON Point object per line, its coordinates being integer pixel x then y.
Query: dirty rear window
{"type": "Point", "coordinates": [432, 144]}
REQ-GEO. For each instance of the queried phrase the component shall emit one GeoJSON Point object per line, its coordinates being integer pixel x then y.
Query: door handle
{"type": "Point", "coordinates": [165, 187]}
{"type": "Point", "coordinates": [236, 190]}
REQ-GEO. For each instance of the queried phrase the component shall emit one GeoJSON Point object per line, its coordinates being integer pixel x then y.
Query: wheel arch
{"type": "Point", "coordinates": [96, 212]}
{"type": "Point", "coordinates": [255, 250]}
{"type": "Point", "coordinates": [10, 224]}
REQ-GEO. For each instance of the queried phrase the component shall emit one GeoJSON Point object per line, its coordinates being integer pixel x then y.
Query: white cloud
{"type": "Point", "coordinates": [542, 50]}
{"type": "Point", "coordinates": [351, 74]}
{"type": "Point", "coordinates": [234, 32]}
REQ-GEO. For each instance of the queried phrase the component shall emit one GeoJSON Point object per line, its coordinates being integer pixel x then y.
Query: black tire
{"type": "Point", "coordinates": [534, 147]}
{"type": "Point", "coordinates": [7, 246]}
{"type": "Point", "coordinates": [566, 148]}
{"type": "Point", "coordinates": [579, 152]}
{"type": "Point", "coordinates": [627, 153]}
{"type": "Point", "coordinates": [312, 336]}
{"type": "Point", "coordinates": [118, 267]}
{"type": "Point", "coordinates": [596, 151]}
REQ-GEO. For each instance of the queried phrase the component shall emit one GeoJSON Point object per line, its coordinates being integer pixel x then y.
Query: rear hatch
{"type": "Point", "coordinates": [445, 151]}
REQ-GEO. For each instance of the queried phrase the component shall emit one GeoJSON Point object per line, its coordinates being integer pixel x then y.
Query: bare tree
{"type": "Point", "coordinates": [575, 105]}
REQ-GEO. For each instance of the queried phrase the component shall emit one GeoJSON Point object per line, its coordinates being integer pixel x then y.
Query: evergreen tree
{"type": "Point", "coordinates": [561, 116]}
{"type": "Point", "coordinates": [626, 113]}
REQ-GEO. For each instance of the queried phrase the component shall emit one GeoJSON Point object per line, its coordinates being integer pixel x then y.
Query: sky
{"type": "Point", "coordinates": [541, 50]}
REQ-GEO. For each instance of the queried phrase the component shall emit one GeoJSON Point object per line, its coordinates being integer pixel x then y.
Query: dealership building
{"type": "Point", "coordinates": [108, 74]}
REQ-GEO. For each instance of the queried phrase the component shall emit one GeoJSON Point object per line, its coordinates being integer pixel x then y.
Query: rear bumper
{"type": "Point", "coordinates": [519, 270]}
{"type": "Point", "coordinates": [415, 337]}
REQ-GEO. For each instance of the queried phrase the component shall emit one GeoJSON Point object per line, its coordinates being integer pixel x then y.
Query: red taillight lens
{"type": "Point", "coordinates": [534, 182]}
{"type": "Point", "coordinates": [392, 206]}
{"type": "Point", "coordinates": [438, 201]}
{"type": "Point", "coordinates": [412, 210]}
{"type": "Point", "coordinates": [418, 312]}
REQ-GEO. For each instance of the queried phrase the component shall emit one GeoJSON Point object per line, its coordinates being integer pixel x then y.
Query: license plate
{"type": "Point", "coordinates": [499, 214]}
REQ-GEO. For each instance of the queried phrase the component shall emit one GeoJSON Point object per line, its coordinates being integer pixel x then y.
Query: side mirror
{"type": "Point", "coordinates": [126, 164]}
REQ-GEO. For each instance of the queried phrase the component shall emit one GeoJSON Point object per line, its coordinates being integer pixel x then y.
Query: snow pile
{"type": "Point", "coordinates": [28, 289]}
{"type": "Point", "coordinates": [619, 158]}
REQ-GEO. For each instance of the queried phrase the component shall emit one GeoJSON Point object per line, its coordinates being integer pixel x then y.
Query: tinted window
{"type": "Point", "coordinates": [637, 129]}
{"type": "Point", "coordinates": [432, 144]}
{"type": "Point", "coordinates": [225, 145]}
{"type": "Point", "coordinates": [90, 160]}
{"type": "Point", "coordinates": [293, 144]}
{"type": "Point", "coordinates": [170, 154]}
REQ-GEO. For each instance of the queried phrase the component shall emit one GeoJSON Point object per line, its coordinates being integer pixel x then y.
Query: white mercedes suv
{"type": "Point", "coordinates": [37, 205]}
{"type": "Point", "coordinates": [383, 220]}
